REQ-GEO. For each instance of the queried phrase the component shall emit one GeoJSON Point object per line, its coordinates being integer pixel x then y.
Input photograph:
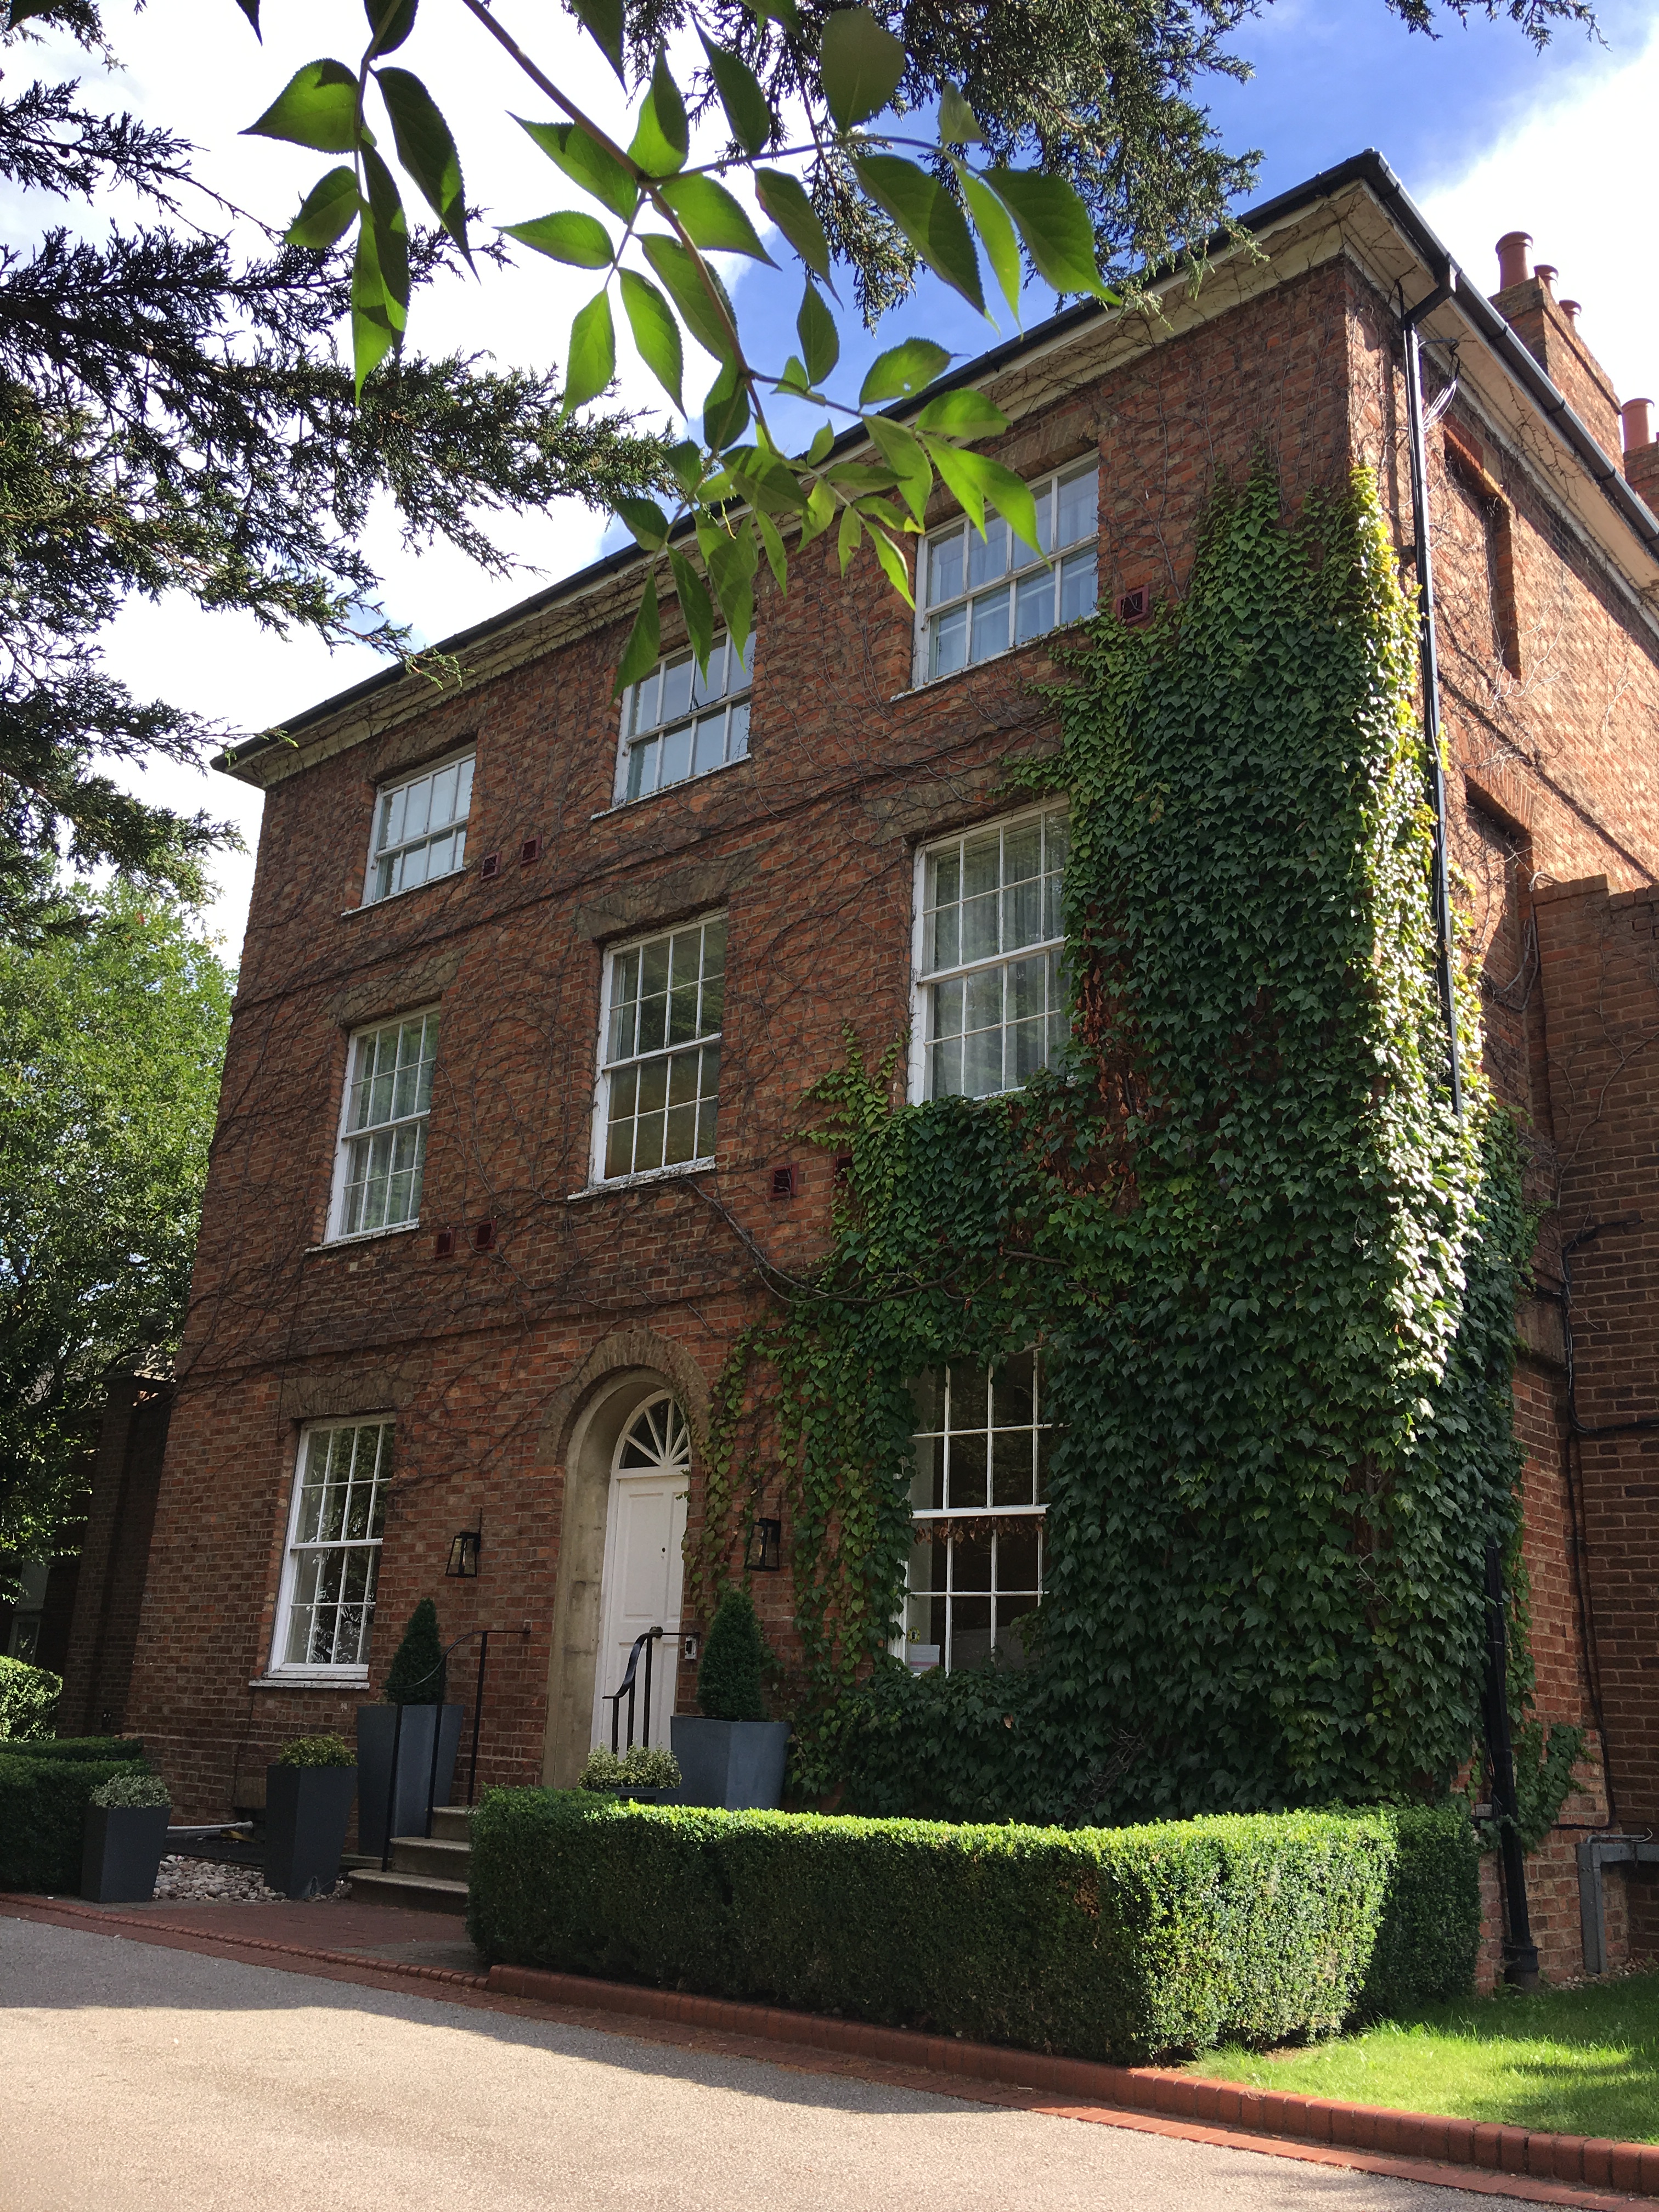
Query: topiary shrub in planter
{"type": "Point", "coordinates": [414, 1688]}
{"type": "Point", "coordinates": [43, 1804]}
{"type": "Point", "coordinates": [28, 1700]}
{"type": "Point", "coordinates": [309, 1787]}
{"type": "Point", "coordinates": [645, 1773]}
{"type": "Point", "coordinates": [732, 1756]}
{"type": "Point", "coordinates": [124, 1835]}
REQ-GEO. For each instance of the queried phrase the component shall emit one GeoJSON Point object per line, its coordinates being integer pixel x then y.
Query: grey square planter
{"type": "Point", "coordinates": [735, 1764]}
{"type": "Point", "coordinates": [376, 1726]}
{"type": "Point", "coordinates": [307, 1811]}
{"type": "Point", "coordinates": [121, 1848]}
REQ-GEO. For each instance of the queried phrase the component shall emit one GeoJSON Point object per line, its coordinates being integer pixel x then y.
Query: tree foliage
{"type": "Point", "coordinates": [855, 127]}
{"type": "Point", "coordinates": [175, 416]}
{"type": "Point", "coordinates": [111, 1036]}
{"type": "Point", "coordinates": [1270, 1273]}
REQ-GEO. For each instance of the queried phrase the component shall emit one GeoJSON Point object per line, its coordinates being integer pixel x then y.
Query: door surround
{"type": "Point", "coordinates": [582, 1430]}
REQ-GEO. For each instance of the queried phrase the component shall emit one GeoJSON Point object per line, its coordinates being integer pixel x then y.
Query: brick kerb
{"type": "Point", "coordinates": [1129, 2097]}
{"type": "Point", "coordinates": [1632, 2167]}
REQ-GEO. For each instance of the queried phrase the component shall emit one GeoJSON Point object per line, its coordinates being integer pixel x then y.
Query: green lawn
{"type": "Point", "coordinates": [1581, 2061]}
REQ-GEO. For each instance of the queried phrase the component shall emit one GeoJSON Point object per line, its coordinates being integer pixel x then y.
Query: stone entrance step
{"type": "Point", "coordinates": [428, 1872]}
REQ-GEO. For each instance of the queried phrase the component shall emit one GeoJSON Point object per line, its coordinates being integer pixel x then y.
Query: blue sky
{"type": "Point", "coordinates": [1487, 134]}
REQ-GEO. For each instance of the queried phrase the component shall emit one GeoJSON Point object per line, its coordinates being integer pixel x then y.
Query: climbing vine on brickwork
{"type": "Point", "coordinates": [1273, 1274]}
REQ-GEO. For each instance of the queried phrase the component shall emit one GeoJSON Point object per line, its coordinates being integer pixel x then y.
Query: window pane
{"type": "Point", "coordinates": [987, 556]}
{"type": "Point", "coordinates": [1034, 606]}
{"type": "Point", "coordinates": [990, 624]}
{"type": "Point", "coordinates": [944, 578]}
{"type": "Point", "coordinates": [966, 1474]}
{"type": "Point", "coordinates": [949, 642]}
{"type": "Point", "coordinates": [1079, 508]}
{"type": "Point", "coordinates": [947, 1008]}
{"type": "Point", "coordinates": [443, 795]}
{"type": "Point", "coordinates": [677, 687]}
{"type": "Point", "coordinates": [738, 743]}
{"type": "Point", "coordinates": [674, 764]}
{"type": "Point", "coordinates": [645, 702]}
{"type": "Point", "coordinates": [945, 1069]}
{"type": "Point", "coordinates": [710, 751]}
{"type": "Point", "coordinates": [713, 685]}
{"type": "Point", "coordinates": [1077, 588]}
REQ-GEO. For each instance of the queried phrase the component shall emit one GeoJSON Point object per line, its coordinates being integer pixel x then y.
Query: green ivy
{"type": "Point", "coordinates": [1273, 1273]}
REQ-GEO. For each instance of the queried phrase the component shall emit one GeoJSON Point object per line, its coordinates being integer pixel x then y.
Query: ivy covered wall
{"type": "Point", "coordinates": [1272, 1274]}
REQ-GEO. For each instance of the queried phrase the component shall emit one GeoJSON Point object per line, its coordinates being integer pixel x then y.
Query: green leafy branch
{"type": "Point", "coordinates": [741, 493]}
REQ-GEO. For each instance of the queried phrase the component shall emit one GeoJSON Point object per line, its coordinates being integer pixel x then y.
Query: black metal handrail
{"type": "Point", "coordinates": [437, 1729]}
{"type": "Point", "coordinates": [648, 1637]}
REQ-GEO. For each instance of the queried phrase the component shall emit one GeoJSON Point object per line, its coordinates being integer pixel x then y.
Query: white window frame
{"type": "Point", "coordinates": [345, 1136]}
{"type": "Point", "coordinates": [922, 977]}
{"type": "Point", "coordinates": [283, 1669]}
{"type": "Point", "coordinates": [926, 615]}
{"type": "Point", "coordinates": [604, 1067]}
{"type": "Point", "coordinates": [727, 704]}
{"type": "Point", "coordinates": [950, 1517]}
{"type": "Point", "coordinates": [386, 792]}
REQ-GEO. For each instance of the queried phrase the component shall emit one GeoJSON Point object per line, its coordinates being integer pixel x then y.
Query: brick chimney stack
{"type": "Point", "coordinates": [1549, 328]}
{"type": "Point", "coordinates": [1641, 455]}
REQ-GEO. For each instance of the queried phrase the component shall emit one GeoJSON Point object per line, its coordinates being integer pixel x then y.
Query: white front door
{"type": "Point", "coordinates": [645, 1530]}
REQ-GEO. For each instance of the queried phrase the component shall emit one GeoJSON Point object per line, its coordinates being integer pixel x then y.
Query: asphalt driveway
{"type": "Point", "coordinates": [138, 2078]}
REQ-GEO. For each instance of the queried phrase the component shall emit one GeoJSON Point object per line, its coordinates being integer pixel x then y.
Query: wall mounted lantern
{"type": "Point", "coordinates": [765, 1553]}
{"type": "Point", "coordinates": [464, 1551]}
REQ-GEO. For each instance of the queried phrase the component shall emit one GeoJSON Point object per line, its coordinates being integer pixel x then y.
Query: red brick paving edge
{"type": "Point", "coordinates": [1467, 2155]}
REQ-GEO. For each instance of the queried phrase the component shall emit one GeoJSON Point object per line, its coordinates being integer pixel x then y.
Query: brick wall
{"type": "Point", "coordinates": [101, 1635]}
{"type": "Point", "coordinates": [809, 848]}
{"type": "Point", "coordinates": [1600, 955]}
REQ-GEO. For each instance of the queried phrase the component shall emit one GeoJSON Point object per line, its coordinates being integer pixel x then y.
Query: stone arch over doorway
{"type": "Point", "coordinates": [580, 1432]}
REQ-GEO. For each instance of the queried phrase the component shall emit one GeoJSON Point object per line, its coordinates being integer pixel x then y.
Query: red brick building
{"type": "Point", "coordinates": [531, 993]}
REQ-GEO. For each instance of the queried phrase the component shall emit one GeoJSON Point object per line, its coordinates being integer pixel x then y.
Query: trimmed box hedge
{"type": "Point", "coordinates": [72, 1747]}
{"type": "Point", "coordinates": [43, 1804]}
{"type": "Point", "coordinates": [1123, 1944]}
{"type": "Point", "coordinates": [1430, 1935]}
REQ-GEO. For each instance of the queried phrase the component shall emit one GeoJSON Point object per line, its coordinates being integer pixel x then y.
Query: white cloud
{"type": "Point", "coordinates": [1577, 174]}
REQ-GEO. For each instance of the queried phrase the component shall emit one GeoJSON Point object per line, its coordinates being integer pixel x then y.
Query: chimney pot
{"type": "Point", "coordinates": [1546, 272]}
{"type": "Point", "coordinates": [1572, 309]}
{"type": "Point", "coordinates": [1638, 416]}
{"type": "Point", "coordinates": [1512, 250]}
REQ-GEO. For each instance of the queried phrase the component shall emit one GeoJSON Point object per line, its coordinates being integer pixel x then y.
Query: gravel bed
{"type": "Point", "coordinates": [213, 1882]}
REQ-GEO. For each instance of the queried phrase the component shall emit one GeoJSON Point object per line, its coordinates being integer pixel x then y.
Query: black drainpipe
{"type": "Point", "coordinates": [1520, 1951]}
{"type": "Point", "coordinates": [1429, 659]}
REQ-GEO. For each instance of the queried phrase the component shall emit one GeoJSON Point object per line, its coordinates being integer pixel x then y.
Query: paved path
{"type": "Point", "coordinates": [137, 2079]}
